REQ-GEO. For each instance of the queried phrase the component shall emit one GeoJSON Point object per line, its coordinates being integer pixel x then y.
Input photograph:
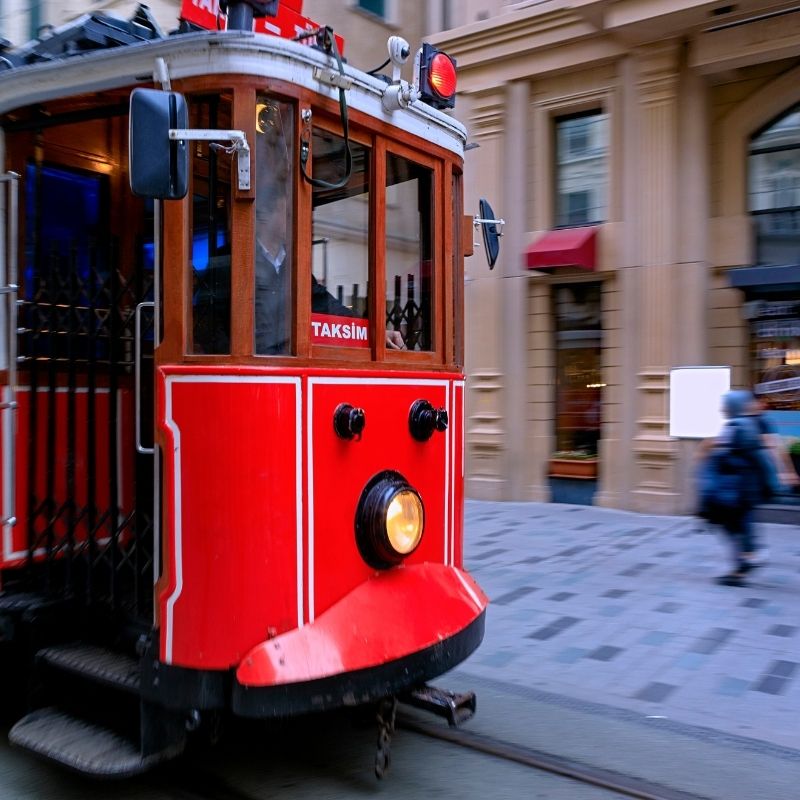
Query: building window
{"type": "Point", "coordinates": [579, 339]}
{"type": "Point", "coordinates": [377, 7]}
{"type": "Point", "coordinates": [581, 169]}
{"type": "Point", "coordinates": [774, 190]}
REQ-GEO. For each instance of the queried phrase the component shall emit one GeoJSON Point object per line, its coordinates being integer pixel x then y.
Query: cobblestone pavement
{"type": "Point", "coordinates": [621, 609]}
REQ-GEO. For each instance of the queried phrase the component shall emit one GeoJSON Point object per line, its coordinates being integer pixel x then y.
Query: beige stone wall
{"type": "Point", "coordinates": [683, 100]}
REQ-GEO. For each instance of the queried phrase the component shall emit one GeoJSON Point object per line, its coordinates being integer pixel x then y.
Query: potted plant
{"type": "Point", "coordinates": [573, 464]}
{"type": "Point", "coordinates": [794, 453]}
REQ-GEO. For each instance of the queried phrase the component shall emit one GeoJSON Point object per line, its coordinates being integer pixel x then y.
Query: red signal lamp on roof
{"type": "Point", "coordinates": [436, 77]}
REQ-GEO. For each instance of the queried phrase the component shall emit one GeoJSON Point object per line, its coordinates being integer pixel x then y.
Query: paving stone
{"type": "Point", "coordinates": [605, 653]}
{"type": "Point", "coordinates": [570, 655]}
{"type": "Point", "coordinates": [732, 687]}
{"type": "Point", "coordinates": [510, 597]}
{"type": "Point", "coordinates": [655, 692]}
{"type": "Point", "coordinates": [691, 661]}
{"type": "Point", "coordinates": [771, 684]}
{"type": "Point", "coordinates": [612, 611]}
{"type": "Point", "coordinates": [615, 593]}
{"type": "Point", "coordinates": [782, 630]}
{"type": "Point", "coordinates": [713, 640]}
{"type": "Point", "coordinates": [554, 628]}
{"type": "Point", "coordinates": [636, 570]}
{"type": "Point", "coordinates": [656, 637]}
{"type": "Point", "coordinates": [783, 669]}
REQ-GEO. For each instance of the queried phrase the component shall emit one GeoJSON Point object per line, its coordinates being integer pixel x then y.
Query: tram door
{"type": "Point", "coordinates": [84, 445]}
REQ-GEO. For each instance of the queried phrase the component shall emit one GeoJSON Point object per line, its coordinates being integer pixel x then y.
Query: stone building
{"type": "Point", "coordinates": [646, 159]}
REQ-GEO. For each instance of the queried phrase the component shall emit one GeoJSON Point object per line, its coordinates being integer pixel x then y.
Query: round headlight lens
{"type": "Point", "coordinates": [404, 521]}
{"type": "Point", "coordinates": [390, 520]}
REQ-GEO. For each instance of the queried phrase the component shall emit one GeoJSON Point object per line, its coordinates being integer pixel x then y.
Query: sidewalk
{"type": "Point", "coordinates": [621, 609]}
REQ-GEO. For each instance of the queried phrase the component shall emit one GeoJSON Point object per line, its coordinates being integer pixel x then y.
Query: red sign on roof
{"type": "Point", "coordinates": [289, 23]}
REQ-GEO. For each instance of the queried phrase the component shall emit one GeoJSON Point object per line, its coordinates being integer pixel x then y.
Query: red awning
{"type": "Point", "coordinates": [566, 247]}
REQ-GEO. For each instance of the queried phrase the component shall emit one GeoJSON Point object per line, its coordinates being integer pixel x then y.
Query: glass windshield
{"type": "Point", "coordinates": [409, 252]}
{"type": "Point", "coordinates": [273, 230]}
{"type": "Point", "coordinates": [340, 239]}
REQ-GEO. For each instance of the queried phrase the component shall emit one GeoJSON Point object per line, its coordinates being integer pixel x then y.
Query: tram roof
{"type": "Point", "coordinates": [204, 53]}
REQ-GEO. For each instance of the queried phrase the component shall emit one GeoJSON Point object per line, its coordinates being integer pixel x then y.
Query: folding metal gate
{"type": "Point", "coordinates": [88, 516]}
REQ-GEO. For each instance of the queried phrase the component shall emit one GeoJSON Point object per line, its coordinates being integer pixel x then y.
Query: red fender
{"type": "Point", "coordinates": [385, 618]}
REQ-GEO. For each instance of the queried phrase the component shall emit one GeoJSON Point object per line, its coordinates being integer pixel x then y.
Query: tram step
{"type": "Point", "coordinates": [95, 663]}
{"type": "Point", "coordinates": [80, 746]}
{"type": "Point", "coordinates": [17, 602]}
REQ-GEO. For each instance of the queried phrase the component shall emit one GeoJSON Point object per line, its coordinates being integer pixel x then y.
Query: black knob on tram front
{"type": "Point", "coordinates": [349, 422]}
{"type": "Point", "coordinates": [424, 419]}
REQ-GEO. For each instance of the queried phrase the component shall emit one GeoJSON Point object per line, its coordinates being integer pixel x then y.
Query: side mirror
{"type": "Point", "coordinates": [491, 233]}
{"type": "Point", "coordinates": [158, 167]}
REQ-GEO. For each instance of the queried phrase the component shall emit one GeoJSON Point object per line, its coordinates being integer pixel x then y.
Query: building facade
{"type": "Point", "coordinates": [645, 157]}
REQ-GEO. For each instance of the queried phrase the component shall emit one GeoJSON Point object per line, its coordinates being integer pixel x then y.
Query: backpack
{"type": "Point", "coordinates": [737, 475]}
{"type": "Point", "coordinates": [720, 488]}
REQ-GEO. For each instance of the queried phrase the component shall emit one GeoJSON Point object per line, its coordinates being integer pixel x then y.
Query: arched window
{"type": "Point", "coordinates": [774, 190]}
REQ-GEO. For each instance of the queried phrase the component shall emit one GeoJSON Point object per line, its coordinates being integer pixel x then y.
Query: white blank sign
{"type": "Point", "coordinates": [695, 401]}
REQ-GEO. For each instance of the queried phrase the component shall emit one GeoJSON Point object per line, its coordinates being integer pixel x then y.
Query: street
{"type": "Point", "coordinates": [567, 581]}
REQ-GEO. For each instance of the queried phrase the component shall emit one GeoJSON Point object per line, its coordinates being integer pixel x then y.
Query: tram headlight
{"type": "Point", "coordinates": [390, 519]}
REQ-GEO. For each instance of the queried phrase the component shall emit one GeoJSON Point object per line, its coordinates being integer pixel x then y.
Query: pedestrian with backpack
{"type": "Point", "coordinates": [737, 475]}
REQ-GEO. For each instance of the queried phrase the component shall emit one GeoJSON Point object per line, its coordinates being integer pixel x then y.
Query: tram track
{"type": "Point", "coordinates": [623, 785]}
{"type": "Point", "coordinates": [206, 784]}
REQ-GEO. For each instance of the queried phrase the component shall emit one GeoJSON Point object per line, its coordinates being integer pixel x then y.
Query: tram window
{"type": "Point", "coordinates": [273, 230]}
{"type": "Point", "coordinates": [67, 256]}
{"type": "Point", "coordinates": [340, 242]}
{"type": "Point", "coordinates": [210, 232]}
{"type": "Point", "coordinates": [409, 252]}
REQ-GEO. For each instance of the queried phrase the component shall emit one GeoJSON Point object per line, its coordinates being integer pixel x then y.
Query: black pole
{"type": "Point", "coordinates": [240, 17]}
{"type": "Point", "coordinates": [242, 12]}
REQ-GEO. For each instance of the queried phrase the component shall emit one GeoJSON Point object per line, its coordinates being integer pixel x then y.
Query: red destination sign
{"type": "Point", "coordinates": [289, 23]}
{"type": "Point", "coordinates": [339, 331]}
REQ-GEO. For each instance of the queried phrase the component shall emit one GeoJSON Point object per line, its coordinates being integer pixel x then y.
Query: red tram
{"type": "Point", "coordinates": [231, 449]}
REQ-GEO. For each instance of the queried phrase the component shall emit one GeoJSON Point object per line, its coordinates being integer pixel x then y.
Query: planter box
{"type": "Point", "coordinates": [580, 468]}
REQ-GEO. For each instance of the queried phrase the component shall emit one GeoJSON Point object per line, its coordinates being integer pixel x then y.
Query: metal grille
{"type": "Point", "coordinates": [403, 314]}
{"type": "Point", "coordinates": [76, 348]}
{"type": "Point", "coordinates": [408, 317]}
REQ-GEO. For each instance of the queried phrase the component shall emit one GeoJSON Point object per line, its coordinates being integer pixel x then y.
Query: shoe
{"type": "Point", "coordinates": [734, 579]}
{"type": "Point", "coordinates": [754, 561]}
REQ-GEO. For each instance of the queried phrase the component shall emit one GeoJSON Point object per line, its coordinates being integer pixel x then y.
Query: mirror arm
{"type": "Point", "coordinates": [477, 222]}
{"type": "Point", "coordinates": [238, 145]}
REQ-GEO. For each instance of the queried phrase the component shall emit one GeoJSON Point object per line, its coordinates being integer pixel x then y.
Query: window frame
{"type": "Point", "coordinates": [773, 212]}
{"type": "Point", "coordinates": [326, 352]}
{"type": "Point", "coordinates": [437, 352]}
{"type": "Point", "coordinates": [386, 16]}
{"type": "Point", "coordinates": [559, 218]}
